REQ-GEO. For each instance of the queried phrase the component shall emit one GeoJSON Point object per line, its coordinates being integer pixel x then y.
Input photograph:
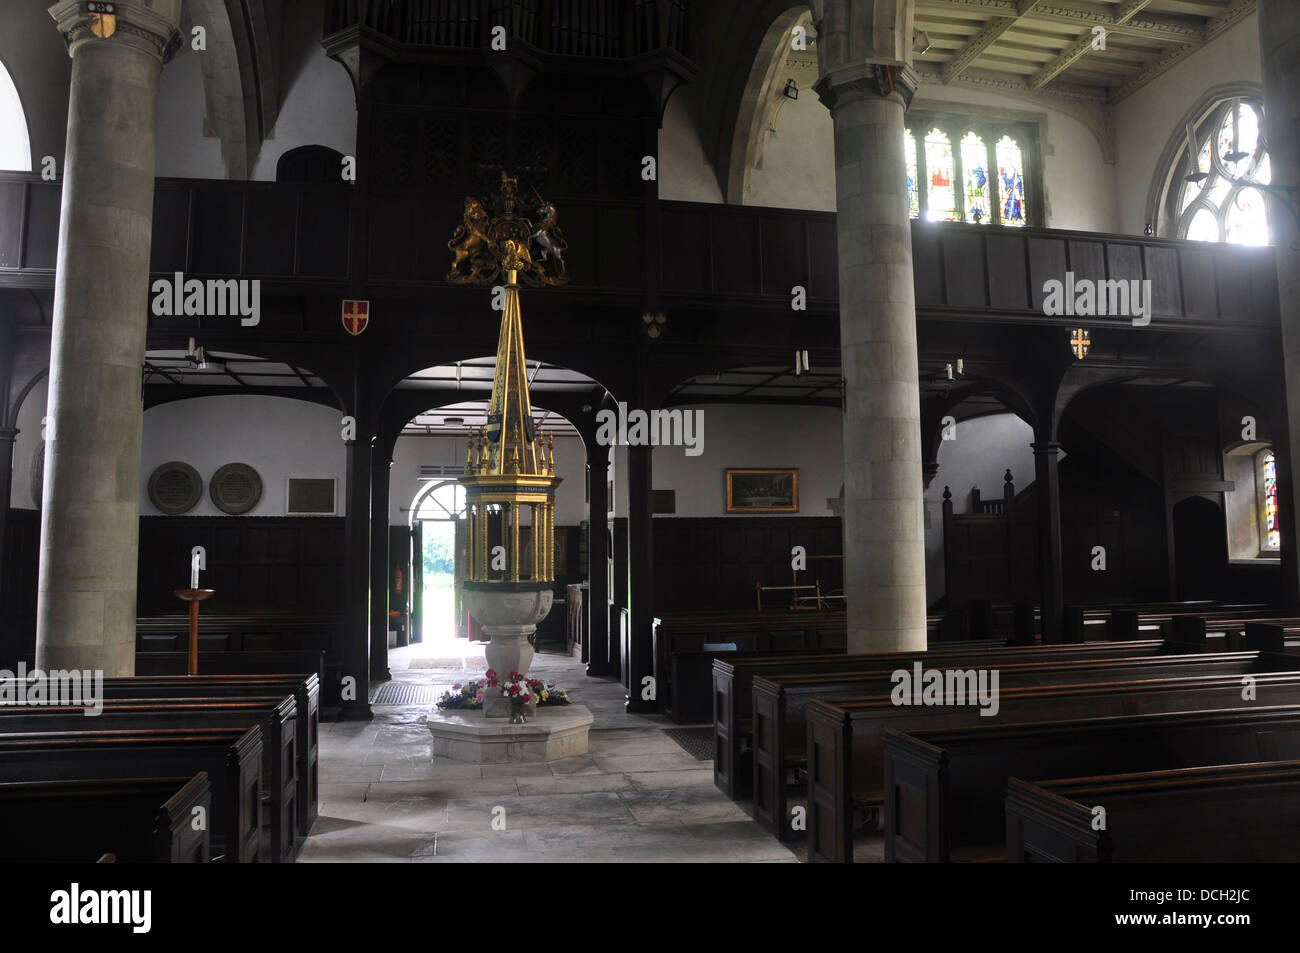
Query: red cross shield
{"type": "Point", "coordinates": [356, 315]}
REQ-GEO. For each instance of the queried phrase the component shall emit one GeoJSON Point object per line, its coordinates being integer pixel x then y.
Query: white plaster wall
{"type": "Point", "coordinates": [798, 160]}
{"type": "Point", "coordinates": [799, 163]}
{"type": "Point", "coordinates": [685, 175]}
{"type": "Point", "coordinates": [26, 444]}
{"type": "Point", "coordinates": [755, 436]}
{"type": "Point", "coordinates": [984, 449]}
{"type": "Point", "coordinates": [412, 452]}
{"type": "Point", "coordinates": [183, 150]}
{"type": "Point", "coordinates": [276, 436]}
{"type": "Point", "coordinates": [318, 108]}
{"type": "Point", "coordinates": [1145, 120]}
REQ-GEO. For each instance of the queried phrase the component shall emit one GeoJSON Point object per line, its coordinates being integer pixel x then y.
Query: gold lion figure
{"type": "Point", "coordinates": [469, 242]}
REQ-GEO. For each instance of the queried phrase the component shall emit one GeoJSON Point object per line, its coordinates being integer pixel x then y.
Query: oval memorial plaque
{"type": "Point", "coordinates": [235, 488]}
{"type": "Point", "coordinates": [175, 488]}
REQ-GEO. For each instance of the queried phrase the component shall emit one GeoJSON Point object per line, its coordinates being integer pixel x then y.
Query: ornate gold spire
{"type": "Point", "coordinates": [509, 482]}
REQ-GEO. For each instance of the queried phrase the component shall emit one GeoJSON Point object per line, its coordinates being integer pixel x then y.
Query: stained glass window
{"type": "Point", "coordinates": [1011, 181]}
{"type": "Point", "coordinates": [975, 172]}
{"type": "Point", "coordinates": [939, 167]}
{"type": "Point", "coordinates": [909, 156]}
{"type": "Point", "coordinates": [1269, 511]}
{"type": "Point", "coordinates": [1231, 153]}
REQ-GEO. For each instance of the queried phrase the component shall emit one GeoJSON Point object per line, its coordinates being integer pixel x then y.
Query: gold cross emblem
{"type": "Point", "coordinates": [1079, 343]}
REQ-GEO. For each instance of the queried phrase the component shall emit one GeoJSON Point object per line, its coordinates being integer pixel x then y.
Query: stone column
{"type": "Point", "coordinates": [1051, 585]}
{"type": "Point", "coordinates": [1279, 43]}
{"type": "Point", "coordinates": [866, 82]}
{"type": "Point", "coordinates": [90, 518]}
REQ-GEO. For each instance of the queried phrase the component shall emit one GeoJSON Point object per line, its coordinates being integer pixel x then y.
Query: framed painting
{"type": "Point", "coordinates": [762, 491]}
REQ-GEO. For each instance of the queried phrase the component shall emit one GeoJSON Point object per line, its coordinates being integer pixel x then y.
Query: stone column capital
{"type": "Point", "coordinates": [7, 434]}
{"type": "Point", "coordinates": [150, 26]}
{"type": "Point", "coordinates": [867, 81]}
{"type": "Point", "coordinates": [1045, 448]}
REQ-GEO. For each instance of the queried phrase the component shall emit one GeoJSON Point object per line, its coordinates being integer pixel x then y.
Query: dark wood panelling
{"type": "Point", "coordinates": [963, 269]}
{"type": "Point", "coordinates": [13, 195]}
{"type": "Point", "coordinates": [1166, 286]}
{"type": "Point", "coordinates": [686, 257]}
{"type": "Point", "coordinates": [1200, 298]}
{"type": "Point", "coordinates": [1087, 260]}
{"type": "Point", "coordinates": [171, 226]}
{"type": "Point", "coordinates": [18, 588]}
{"type": "Point", "coordinates": [1046, 262]}
{"type": "Point", "coordinates": [927, 266]}
{"type": "Point", "coordinates": [707, 564]}
{"type": "Point", "coordinates": [823, 249]}
{"type": "Point", "coordinates": [735, 253]}
{"type": "Point", "coordinates": [217, 223]}
{"type": "Point", "coordinates": [41, 247]}
{"type": "Point", "coordinates": [1008, 277]}
{"type": "Point", "coordinates": [254, 563]}
{"type": "Point", "coordinates": [784, 256]}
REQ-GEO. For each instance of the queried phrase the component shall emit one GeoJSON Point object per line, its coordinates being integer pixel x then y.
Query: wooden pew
{"type": "Point", "coordinates": [231, 758]}
{"type": "Point", "coordinates": [845, 740]}
{"type": "Point", "coordinates": [733, 681]}
{"type": "Point", "coordinates": [275, 715]}
{"type": "Point", "coordinates": [130, 820]}
{"type": "Point", "coordinates": [944, 789]}
{"type": "Point", "coordinates": [241, 663]}
{"type": "Point", "coordinates": [1224, 813]}
{"type": "Point", "coordinates": [780, 702]}
{"type": "Point", "coordinates": [305, 689]}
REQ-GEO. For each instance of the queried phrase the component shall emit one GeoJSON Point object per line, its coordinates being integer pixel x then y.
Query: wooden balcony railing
{"type": "Point", "coordinates": [297, 236]}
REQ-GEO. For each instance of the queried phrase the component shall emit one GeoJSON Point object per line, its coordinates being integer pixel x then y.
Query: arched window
{"type": "Point", "coordinates": [1252, 508]}
{"type": "Point", "coordinates": [15, 146]}
{"type": "Point", "coordinates": [975, 172]}
{"type": "Point", "coordinates": [1266, 480]}
{"type": "Point", "coordinates": [983, 181]}
{"type": "Point", "coordinates": [909, 157]}
{"type": "Point", "coordinates": [440, 501]}
{"type": "Point", "coordinates": [1213, 201]}
{"type": "Point", "coordinates": [1011, 181]}
{"type": "Point", "coordinates": [942, 197]}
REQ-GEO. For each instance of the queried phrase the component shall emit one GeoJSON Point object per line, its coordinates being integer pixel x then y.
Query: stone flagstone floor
{"type": "Point", "coordinates": [636, 797]}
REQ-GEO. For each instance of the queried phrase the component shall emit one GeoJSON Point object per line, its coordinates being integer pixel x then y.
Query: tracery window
{"type": "Point", "coordinates": [1214, 202]}
{"type": "Point", "coordinates": [982, 180]}
{"type": "Point", "coordinates": [1269, 534]}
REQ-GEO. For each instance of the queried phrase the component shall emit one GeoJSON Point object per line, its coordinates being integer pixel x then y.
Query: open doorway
{"type": "Point", "coordinates": [438, 540]}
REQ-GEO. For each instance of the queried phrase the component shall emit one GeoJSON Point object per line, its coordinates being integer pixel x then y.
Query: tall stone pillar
{"type": "Point", "coordinates": [1051, 585]}
{"type": "Point", "coordinates": [90, 518]}
{"type": "Point", "coordinates": [1279, 44]}
{"type": "Point", "coordinates": [866, 82]}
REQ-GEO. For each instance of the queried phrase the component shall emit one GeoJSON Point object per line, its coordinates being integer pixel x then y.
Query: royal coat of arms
{"type": "Point", "coordinates": [508, 232]}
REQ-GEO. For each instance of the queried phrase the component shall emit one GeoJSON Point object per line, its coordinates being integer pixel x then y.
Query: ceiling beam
{"type": "Point", "coordinates": [1235, 13]}
{"type": "Point", "coordinates": [1169, 28]}
{"type": "Point", "coordinates": [982, 40]}
{"type": "Point", "coordinates": [1072, 55]}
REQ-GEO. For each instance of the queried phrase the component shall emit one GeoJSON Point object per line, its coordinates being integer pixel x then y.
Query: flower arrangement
{"type": "Point", "coordinates": [470, 694]}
